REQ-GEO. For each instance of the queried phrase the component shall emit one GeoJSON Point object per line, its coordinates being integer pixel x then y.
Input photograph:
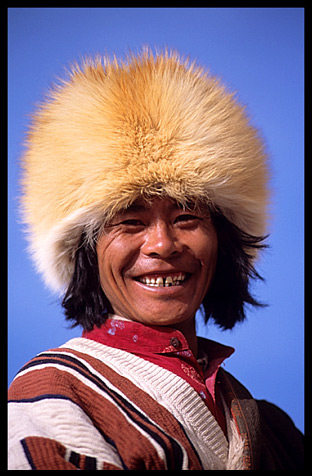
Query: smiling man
{"type": "Point", "coordinates": [145, 194]}
{"type": "Point", "coordinates": [156, 262]}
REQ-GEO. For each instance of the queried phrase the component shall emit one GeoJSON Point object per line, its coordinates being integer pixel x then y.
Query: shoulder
{"type": "Point", "coordinates": [64, 373]}
{"type": "Point", "coordinates": [281, 438]}
{"type": "Point", "coordinates": [275, 438]}
{"type": "Point", "coordinates": [77, 370]}
{"type": "Point", "coordinates": [78, 359]}
{"type": "Point", "coordinates": [44, 372]}
{"type": "Point", "coordinates": [276, 416]}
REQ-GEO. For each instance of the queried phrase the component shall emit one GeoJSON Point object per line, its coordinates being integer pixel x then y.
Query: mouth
{"type": "Point", "coordinates": [161, 281]}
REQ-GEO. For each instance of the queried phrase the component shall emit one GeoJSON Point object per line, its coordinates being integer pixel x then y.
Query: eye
{"type": "Point", "coordinates": [187, 219]}
{"type": "Point", "coordinates": [131, 225]}
{"type": "Point", "coordinates": [132, 222]}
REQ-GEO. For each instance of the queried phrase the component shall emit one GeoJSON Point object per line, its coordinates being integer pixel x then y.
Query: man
{"type": "Point", "coordinates": [145, 194]}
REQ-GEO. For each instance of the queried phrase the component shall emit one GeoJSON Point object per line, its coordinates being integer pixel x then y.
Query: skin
{"type": "Point", "coordinates": [158, 239]}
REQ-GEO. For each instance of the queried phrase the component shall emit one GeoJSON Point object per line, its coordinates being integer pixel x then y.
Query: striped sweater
{"type": "Point", "coordinates": [86, 405]}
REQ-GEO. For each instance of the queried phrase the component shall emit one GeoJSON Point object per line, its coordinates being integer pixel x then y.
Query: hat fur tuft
{"type": "Point", "coordinates": [116, 131]}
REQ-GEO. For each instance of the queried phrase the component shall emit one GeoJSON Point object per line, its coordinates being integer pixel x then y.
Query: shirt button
{"type": "Point", "coordinates": [174, 341]}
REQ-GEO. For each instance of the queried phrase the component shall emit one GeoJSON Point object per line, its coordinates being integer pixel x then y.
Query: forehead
{"type": "Point", "coordinates": [147, 205]}
{"type": "Point", "coordinates": [167, 203]}
{"type": "Point", "coordinates": [158, 205]}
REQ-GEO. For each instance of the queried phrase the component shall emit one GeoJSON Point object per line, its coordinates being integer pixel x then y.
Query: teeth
{"type": "Point", "coordinates": [163, 282]}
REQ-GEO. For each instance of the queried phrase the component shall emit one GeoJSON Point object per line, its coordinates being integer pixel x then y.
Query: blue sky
{"type": "Point", "coordinates": [258, 52]}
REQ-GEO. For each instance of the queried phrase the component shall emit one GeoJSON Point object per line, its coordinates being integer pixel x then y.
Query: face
{"type": "Point", "coordinates": [156, 262]}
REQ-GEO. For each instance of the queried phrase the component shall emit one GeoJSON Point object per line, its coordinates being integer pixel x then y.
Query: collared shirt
{"type": "Point", "coordinates": [168, 348]}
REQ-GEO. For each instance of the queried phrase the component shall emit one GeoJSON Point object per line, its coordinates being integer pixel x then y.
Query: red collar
{"type": "Point", "coordinates": [135, 337]}
{"type": "Point", "coordinates": [168, 348]}
{"type": "Point", "coordinates": [152, 341]}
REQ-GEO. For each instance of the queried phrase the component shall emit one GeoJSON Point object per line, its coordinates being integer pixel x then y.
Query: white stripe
{"type": "Point", "coordinates": [16, 456]}
{"type": "Point", "coordinates": [59, 420]}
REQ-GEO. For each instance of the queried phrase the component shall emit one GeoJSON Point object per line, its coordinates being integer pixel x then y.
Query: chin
{"type": "Point", "coordinates": [163, 319]}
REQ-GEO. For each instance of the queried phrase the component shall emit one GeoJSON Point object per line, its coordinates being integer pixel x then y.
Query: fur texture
{"type": "Point", "coordinates": [116, 131]}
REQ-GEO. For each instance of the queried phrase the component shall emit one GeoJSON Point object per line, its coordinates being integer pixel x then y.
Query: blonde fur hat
{"type": "Point", "coordinates": [116, 131]}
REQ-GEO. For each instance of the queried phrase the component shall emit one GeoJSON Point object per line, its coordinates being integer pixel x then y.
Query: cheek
{"type": "Point", "coordinates": [208, 253]}
{"type": "Point", "coordinates": [106, 254]}
{"type": "Point", "coordinates": [113, 257]}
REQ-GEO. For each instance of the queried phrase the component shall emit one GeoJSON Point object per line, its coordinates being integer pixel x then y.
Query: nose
{"type": "Point", "coordinates": [161, 242]}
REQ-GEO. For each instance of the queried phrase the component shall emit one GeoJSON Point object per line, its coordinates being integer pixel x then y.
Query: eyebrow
{"type": "Point", "coordinates": [144, 206]}
{"type": "Point", "coordinates": [135, 207]}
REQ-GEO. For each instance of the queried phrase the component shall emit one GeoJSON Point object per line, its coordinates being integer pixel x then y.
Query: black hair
{"type": "Point", "coordinates": [85, 303]}
{"type": "Point", "coordinates": [229, 291]}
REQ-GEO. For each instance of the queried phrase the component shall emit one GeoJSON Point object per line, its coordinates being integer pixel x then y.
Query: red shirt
{"type": "Point", "coordinates": [168, 348]}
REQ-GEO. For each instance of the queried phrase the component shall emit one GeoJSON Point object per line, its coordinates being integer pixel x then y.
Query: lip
{"type": "Point", "coordinates": [162, 275]}
{"type": "Point", "coordinates": [161, 290]}
{"type": "Point", "coordinates": [171, 289]}
{"type": "Point", "coordinates": [167, 281]}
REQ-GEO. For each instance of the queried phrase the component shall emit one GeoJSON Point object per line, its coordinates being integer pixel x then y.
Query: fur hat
{"type": "Point", "coordinates": [116, 131]}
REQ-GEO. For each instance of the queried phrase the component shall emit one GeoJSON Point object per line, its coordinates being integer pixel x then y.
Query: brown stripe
{"type": "Point", "coordinates": [45, 453]}
{"type": "Point", "coordinates": [104, 414]}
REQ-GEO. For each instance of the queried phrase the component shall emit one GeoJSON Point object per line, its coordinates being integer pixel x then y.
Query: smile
{"type": "Point", "coordinates": [157, 282]}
